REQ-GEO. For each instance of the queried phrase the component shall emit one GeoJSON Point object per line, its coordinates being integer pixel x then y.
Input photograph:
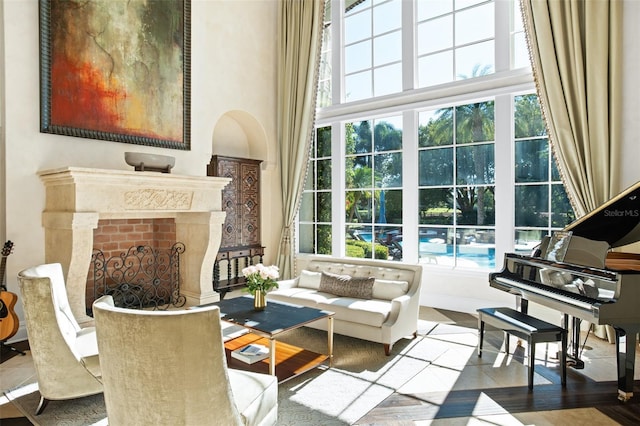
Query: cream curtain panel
{"type": "Point", "coordinates": [300, 35]}
{"type": "Point", "coordinates": [576, 51]}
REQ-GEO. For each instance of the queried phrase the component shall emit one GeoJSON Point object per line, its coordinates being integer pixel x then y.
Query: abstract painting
{"type": "Point", "coordinates": [116, 70]}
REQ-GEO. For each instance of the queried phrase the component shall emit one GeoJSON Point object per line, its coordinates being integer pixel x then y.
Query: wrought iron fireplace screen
{"type": "Point", "coordinates": [141, 278]}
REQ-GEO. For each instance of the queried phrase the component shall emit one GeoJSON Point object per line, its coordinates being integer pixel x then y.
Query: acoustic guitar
{"type": "Point", "coordinates": [8, 318]}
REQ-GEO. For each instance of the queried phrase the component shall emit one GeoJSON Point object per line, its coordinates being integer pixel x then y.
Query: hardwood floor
{"type": "Point", "coordinates": [468, 403]}
{"type": "Point", "coordinates": [9, 415]}
{"type": "Point", "coordinates": [581, 392]}
{"type": "Point", "coordinates": [290, 360]}
{"type": "Point", "coordinates": [7, 354]}
{"type": "Point", "coordinates": [472, 391]}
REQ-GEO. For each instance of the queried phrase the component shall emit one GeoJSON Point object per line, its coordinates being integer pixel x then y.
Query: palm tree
{"type": "Point", "coordinates": [475, 123]}
{"type": "Point", "coordinates": [370, 147]}
{"type": "Point", "coordinates": [470, 123]}
{"type": "Point", "coordinates": [528, 121]}
{"type": "Point", "coordinates": [359, 177]}
{"type": "Point", "coordinates": [358, 169]}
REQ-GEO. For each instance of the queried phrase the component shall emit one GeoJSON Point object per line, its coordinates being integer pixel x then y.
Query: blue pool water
{"type": "Point", "coordinates": [469, 255]}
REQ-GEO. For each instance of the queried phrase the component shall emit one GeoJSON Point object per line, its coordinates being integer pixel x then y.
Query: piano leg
{"type": "Point", "coordinates": [626, 347]}
{"type": "Point", "coordinates": [573, 357]}
{"type": "Point", "coordinates": [522, 304]}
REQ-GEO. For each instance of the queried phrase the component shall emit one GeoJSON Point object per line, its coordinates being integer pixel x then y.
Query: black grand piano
{"type": "Point", "coordinates": [587, 281]}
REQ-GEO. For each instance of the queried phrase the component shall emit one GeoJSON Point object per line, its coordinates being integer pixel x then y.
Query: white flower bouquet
{"type": "Point", "coordinates": [261, 278]}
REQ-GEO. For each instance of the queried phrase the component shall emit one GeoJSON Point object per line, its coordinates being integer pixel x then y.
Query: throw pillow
{"type": "Point", "coordinates": [309, 279]}
{"type": "Point", "coordinates": [389, 289]}
{"type": "Point", "coordinates": [347, 286]}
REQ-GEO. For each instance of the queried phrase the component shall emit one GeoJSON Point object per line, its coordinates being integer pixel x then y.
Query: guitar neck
{"type": "Point", "coordinates": [6, 251]}
{"type": "Point", "coordinates": [3, 270]}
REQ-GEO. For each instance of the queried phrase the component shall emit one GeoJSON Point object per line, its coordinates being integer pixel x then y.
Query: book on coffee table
{"type": "Point", "coordinates": [251, 353]}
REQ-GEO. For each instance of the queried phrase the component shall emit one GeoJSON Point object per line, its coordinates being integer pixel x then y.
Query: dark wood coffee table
{"type": "Point", "coordinates": [284, 361]}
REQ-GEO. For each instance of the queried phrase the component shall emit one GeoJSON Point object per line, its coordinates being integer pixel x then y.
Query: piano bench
{"type": "Point", "coordinates": [524, 326]}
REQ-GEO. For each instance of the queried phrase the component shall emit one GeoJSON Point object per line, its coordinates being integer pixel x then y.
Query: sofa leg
{"type": "Point", "coordinates": [387, 349]}
{"type": "Point", "coordinates": [41, 405]}
{"type": "Point", "coordinates": [415, 334]}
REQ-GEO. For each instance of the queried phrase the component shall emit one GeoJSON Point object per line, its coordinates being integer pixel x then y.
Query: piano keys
{"type": "Point", "coordinates": [590, 283]}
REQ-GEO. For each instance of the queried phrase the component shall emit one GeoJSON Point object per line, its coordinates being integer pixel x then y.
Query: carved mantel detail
{"type": "Point", "coordinates": [158, 199]}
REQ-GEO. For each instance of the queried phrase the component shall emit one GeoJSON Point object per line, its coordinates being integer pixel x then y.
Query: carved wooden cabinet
{"type": "Point", "coordinates": [240, 245]}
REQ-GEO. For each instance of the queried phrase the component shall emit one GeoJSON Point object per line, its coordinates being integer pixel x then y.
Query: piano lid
{"type": "Point", "coordinates": [617, 221]}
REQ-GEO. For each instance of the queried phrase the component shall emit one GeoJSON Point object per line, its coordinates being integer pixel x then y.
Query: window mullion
{"type": "Point", "coordinates": [408, 46]}
{"type": "Point", "coordinates": [410, 191]}
{"type": "Point", "coordinates": [337, 54]}
{"type": "Point", "coordinates": [338, 180]}
{"type": "Point", "coordinates": [504, 177]}
{"type": "Point", "coordinates": [372, 67]}
{"type": "Point", "coordinates": [503, 48]}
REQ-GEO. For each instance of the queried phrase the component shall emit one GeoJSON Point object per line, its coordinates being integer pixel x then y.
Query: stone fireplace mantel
{"type": "Point", "coordinates": [77, 198]}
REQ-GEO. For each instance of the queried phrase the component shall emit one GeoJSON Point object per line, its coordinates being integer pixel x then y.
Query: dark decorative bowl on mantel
{"type": "Point", "coordinates": [143, 162]}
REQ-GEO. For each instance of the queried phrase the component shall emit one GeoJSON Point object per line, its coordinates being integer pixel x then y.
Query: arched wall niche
{"type": "Point", "coordinates": [238, 134]}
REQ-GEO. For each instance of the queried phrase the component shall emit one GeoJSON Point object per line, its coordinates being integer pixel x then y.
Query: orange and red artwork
{"type": "Point", "coordinates": [116, 70]}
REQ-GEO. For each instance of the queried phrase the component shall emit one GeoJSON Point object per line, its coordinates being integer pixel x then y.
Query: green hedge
{"type": "Point", "coordinates": [362, 249]}
{"type": "Point", "coordinates": [354, 251]}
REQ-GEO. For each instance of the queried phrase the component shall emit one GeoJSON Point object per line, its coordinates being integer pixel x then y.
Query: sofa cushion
{"type": "Point", "coordinates": [348, 286]}
{"type": "Point", "coordinates": [389, 289]}
{"type": "Point", "coordinates": [301, 296]}
{"type": "Point", "coordinates": [371, 312]}
{"type": "Point", "coordinates": [309, 279]}
{"type": "Point", "coordinates": [368, 312]}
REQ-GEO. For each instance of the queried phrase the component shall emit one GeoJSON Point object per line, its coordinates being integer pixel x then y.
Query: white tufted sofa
{"type": "Point", "coordinates": [389, 315]}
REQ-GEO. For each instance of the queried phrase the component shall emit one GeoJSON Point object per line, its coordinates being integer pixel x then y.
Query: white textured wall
{"type": "Point", "coordinates": [233, 68]}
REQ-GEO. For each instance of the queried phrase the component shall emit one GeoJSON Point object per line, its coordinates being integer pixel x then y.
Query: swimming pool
{"type": "Point", "coordinates": [436, 251]}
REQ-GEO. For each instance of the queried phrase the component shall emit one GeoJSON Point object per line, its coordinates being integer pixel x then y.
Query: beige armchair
{"type": "Point", "coordinates": [169, 367]}
{"type": "Point", "coordinates": [64, 354]}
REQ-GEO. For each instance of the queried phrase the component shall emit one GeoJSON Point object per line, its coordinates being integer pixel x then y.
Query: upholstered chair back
{"type": "Point", "coordinates": [164, 367]}
{"type": "Point", "coordinates": [64, 354]}
{"type": "Point", "coordinates": [67, 323]}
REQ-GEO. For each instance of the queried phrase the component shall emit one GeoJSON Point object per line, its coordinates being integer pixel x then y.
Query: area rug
{"type": "Point", "coordinates": [361, 377]}
{"type": "Point", "coordinates": [85, 411]}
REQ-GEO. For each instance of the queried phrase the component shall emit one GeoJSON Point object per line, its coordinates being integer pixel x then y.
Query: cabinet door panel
{"type": "Point", "coordinates": [250, 209]}
{"type": "Point", "coordinates": [240, 200]}
{"type": "Point", "coordinates": [232, 223]}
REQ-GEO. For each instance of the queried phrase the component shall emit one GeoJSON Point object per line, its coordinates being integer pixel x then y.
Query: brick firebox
{"type": "Point", "coordinates": [114, 237]}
